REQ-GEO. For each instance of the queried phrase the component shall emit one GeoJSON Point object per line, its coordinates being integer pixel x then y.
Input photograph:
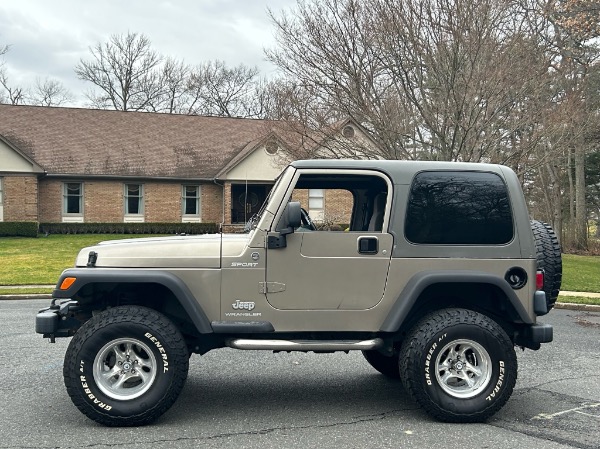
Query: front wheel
{"type": "Point", "coordinates": [126, 366]}
{"type": "Point", "coordinates": [459, 365]}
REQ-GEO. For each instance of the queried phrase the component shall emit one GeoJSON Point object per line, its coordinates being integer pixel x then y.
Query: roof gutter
{"type": "Point", "coordinates": [126, 177]}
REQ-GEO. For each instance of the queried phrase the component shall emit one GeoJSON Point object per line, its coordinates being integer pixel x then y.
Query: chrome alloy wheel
{"type": "Point", "coordinates": [124, 369]}
{"type": "Point", "coordinates": [463, 368]}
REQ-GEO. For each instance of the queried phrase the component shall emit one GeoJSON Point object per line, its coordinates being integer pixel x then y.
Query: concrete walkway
{"type": "Point", "coordinates": [583, 294]}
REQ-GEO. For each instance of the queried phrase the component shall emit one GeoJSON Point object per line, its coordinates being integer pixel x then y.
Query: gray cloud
{"type": "Point", "coordinates": [48, 39]}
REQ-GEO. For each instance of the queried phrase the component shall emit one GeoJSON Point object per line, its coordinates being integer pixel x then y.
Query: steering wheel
{"type": "Point", "coordinates": [307, 223]}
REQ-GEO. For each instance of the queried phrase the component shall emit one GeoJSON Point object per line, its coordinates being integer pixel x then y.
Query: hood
{"type": "Point", "coordinates": [194, 251]}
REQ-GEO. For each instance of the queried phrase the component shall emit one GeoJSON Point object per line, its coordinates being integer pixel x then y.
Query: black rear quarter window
{"type": "Point", "coordinates": [458, 208]}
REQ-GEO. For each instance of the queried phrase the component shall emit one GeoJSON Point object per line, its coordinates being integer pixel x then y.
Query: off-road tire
{"type": "Point", "coordinates": [132, 337]}
{"type": "Point", "coordinates": [425, 367]}
{"type": "Point", "coordinates": [386, 365]}
{"type": "Point", "coordinates": [548, 259]}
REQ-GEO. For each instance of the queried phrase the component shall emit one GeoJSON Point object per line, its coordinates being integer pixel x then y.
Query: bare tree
{"type": "Point", "coordinates": [217, 89]}
{"type": "Point", "coordinates": [124, 71]}
{"type": "Point", "coordinates": [468, 72]}
{"type": "Point", "coordinates": [497, 81]}
{"type": "Point", "coordinates": [10, 94]}
{"type": "Point", "coordinates": [435, 79]}
{"type": "Point", "coordinates": [327, 51]}
{"type": "Point", "coordinates": [129, 76]}
{"type": "Point", "coordinates": [48, 92]}
{"type": "Point", "coordinates": [569, 31]}
{"type": "Point", "coordinates": [173, 95]}
{"type": "Point", "coordinates": [310, 126]}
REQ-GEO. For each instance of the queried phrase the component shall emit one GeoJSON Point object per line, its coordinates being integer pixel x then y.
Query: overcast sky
{"type": "Point", "coordinates": [48, 38]}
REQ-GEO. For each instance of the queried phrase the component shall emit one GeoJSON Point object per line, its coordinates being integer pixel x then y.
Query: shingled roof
{"type": "Point", "coordinates": [68, 141]}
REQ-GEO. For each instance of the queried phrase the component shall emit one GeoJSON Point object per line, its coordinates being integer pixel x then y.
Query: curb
{"type": "Point", "coordinates": [30, 296]}
{"type": "Point", "coordinates": [580, 307]}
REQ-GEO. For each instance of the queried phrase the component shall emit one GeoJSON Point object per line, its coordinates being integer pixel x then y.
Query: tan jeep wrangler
{"type": "Point", "coordinates": [435, 273]}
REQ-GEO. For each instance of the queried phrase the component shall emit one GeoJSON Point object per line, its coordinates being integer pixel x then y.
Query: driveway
{"type": "Point", "coordinates": [241, 399]}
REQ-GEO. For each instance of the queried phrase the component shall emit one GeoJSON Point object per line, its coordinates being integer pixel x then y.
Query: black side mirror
{"type": "Point", "coordinates": [291, 219]}
{"type": "Point", "coordinates": [293, 216]}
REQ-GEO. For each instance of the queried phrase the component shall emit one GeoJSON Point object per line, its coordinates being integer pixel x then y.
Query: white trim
{"type": "Point", "coordinates": [133, 219]}
{"type": "Point", "coordinates": [318, 196]}
{"type": "Point", "coordinates": [72, 219]}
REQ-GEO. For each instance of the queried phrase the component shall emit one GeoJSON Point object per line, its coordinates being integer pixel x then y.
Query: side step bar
{"type": "Point", "coordinates": [305, 345]}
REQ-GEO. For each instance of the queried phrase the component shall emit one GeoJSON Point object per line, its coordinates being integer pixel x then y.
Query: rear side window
{"type": "Point", "coordinates": [458, 208]}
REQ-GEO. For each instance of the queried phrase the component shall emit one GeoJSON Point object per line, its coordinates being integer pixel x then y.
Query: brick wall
{"type": "Point", "coordinates": [227, 193]}
{"type": "Point", "coordinates": [302, 196]}
{"type": "Point", "coordinates": [337, 204]}
{"type": "Point", "coordinates": [211, 200]}
{"type": "Point", "coordinates": [20, 198]}
{"type": "Point", "coordinates": [162, 202]}
{"type": "Point", "coordinates": [104, 201]}
{"type": "Point", "coordinates": [50, 207]}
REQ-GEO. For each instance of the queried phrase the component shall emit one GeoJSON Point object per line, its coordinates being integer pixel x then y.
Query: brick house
{"type": "Point", "coordinates": [84, 165]}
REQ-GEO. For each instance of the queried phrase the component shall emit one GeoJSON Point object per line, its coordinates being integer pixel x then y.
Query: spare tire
{"type": "Point", "coordinates": [549, 259]}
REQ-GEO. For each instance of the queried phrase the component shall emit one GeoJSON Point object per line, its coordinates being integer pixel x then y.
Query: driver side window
{"type": "Point", "coordinates": [328, 209]}
{"type": "Point", "coordinates": [341, 203]}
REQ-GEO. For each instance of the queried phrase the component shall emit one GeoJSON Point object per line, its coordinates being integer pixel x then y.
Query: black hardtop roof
{"type": "Point", "coordinates": [393, 168]}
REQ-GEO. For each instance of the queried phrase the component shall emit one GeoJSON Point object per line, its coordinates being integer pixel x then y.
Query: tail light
{"type": "Point", "coordinates": [539, 280]}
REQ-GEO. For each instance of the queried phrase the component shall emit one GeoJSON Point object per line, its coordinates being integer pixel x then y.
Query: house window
{"type": "Point", "coordinates": [190, 202]}
{"type": "Point", "coordinates": [134, 199]}
{"type": "Point", "coordinates": [72, 198]}
{"type": "Point", "coordinates": [1, 199]}
{"type": "Point", "coordinates": [316, 204]}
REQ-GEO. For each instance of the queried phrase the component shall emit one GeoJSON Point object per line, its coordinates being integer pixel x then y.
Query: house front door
{"type": "Point", "coordinates": [246, 200]}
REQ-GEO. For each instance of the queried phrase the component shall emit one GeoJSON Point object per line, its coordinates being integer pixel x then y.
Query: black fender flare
{"type": "Point", "coordinates": [419, 282]}
{"type": "Point", "coordinates": [85, 276]}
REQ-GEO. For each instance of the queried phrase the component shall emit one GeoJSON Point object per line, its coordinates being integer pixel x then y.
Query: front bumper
{"type": "Point", "coordinates": [58, 320]}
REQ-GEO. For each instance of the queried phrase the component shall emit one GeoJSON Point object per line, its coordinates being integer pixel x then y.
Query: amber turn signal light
{"type": "Point", "coordinates": [66, 283]}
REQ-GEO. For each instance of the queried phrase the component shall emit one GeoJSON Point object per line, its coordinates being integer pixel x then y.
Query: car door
{"type": "Point", "coordinates": [342, 269]}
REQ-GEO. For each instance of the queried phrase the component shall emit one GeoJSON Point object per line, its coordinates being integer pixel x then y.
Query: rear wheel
{"type": "Point", "coordinates": [459, 365]}
{"type": "Point", "coordinates": [126, 366]}
{"type": "Point", "coordinates": [386, 365]}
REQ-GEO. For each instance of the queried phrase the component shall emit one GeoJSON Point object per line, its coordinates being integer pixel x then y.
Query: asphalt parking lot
{"type": "Point", "coordinates": [239, 399]}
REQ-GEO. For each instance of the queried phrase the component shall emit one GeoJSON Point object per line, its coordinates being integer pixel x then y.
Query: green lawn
{"type": "Point", "coordinates": [39, 261]}
{"type": "Point", "coordinates": [581, 273]}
